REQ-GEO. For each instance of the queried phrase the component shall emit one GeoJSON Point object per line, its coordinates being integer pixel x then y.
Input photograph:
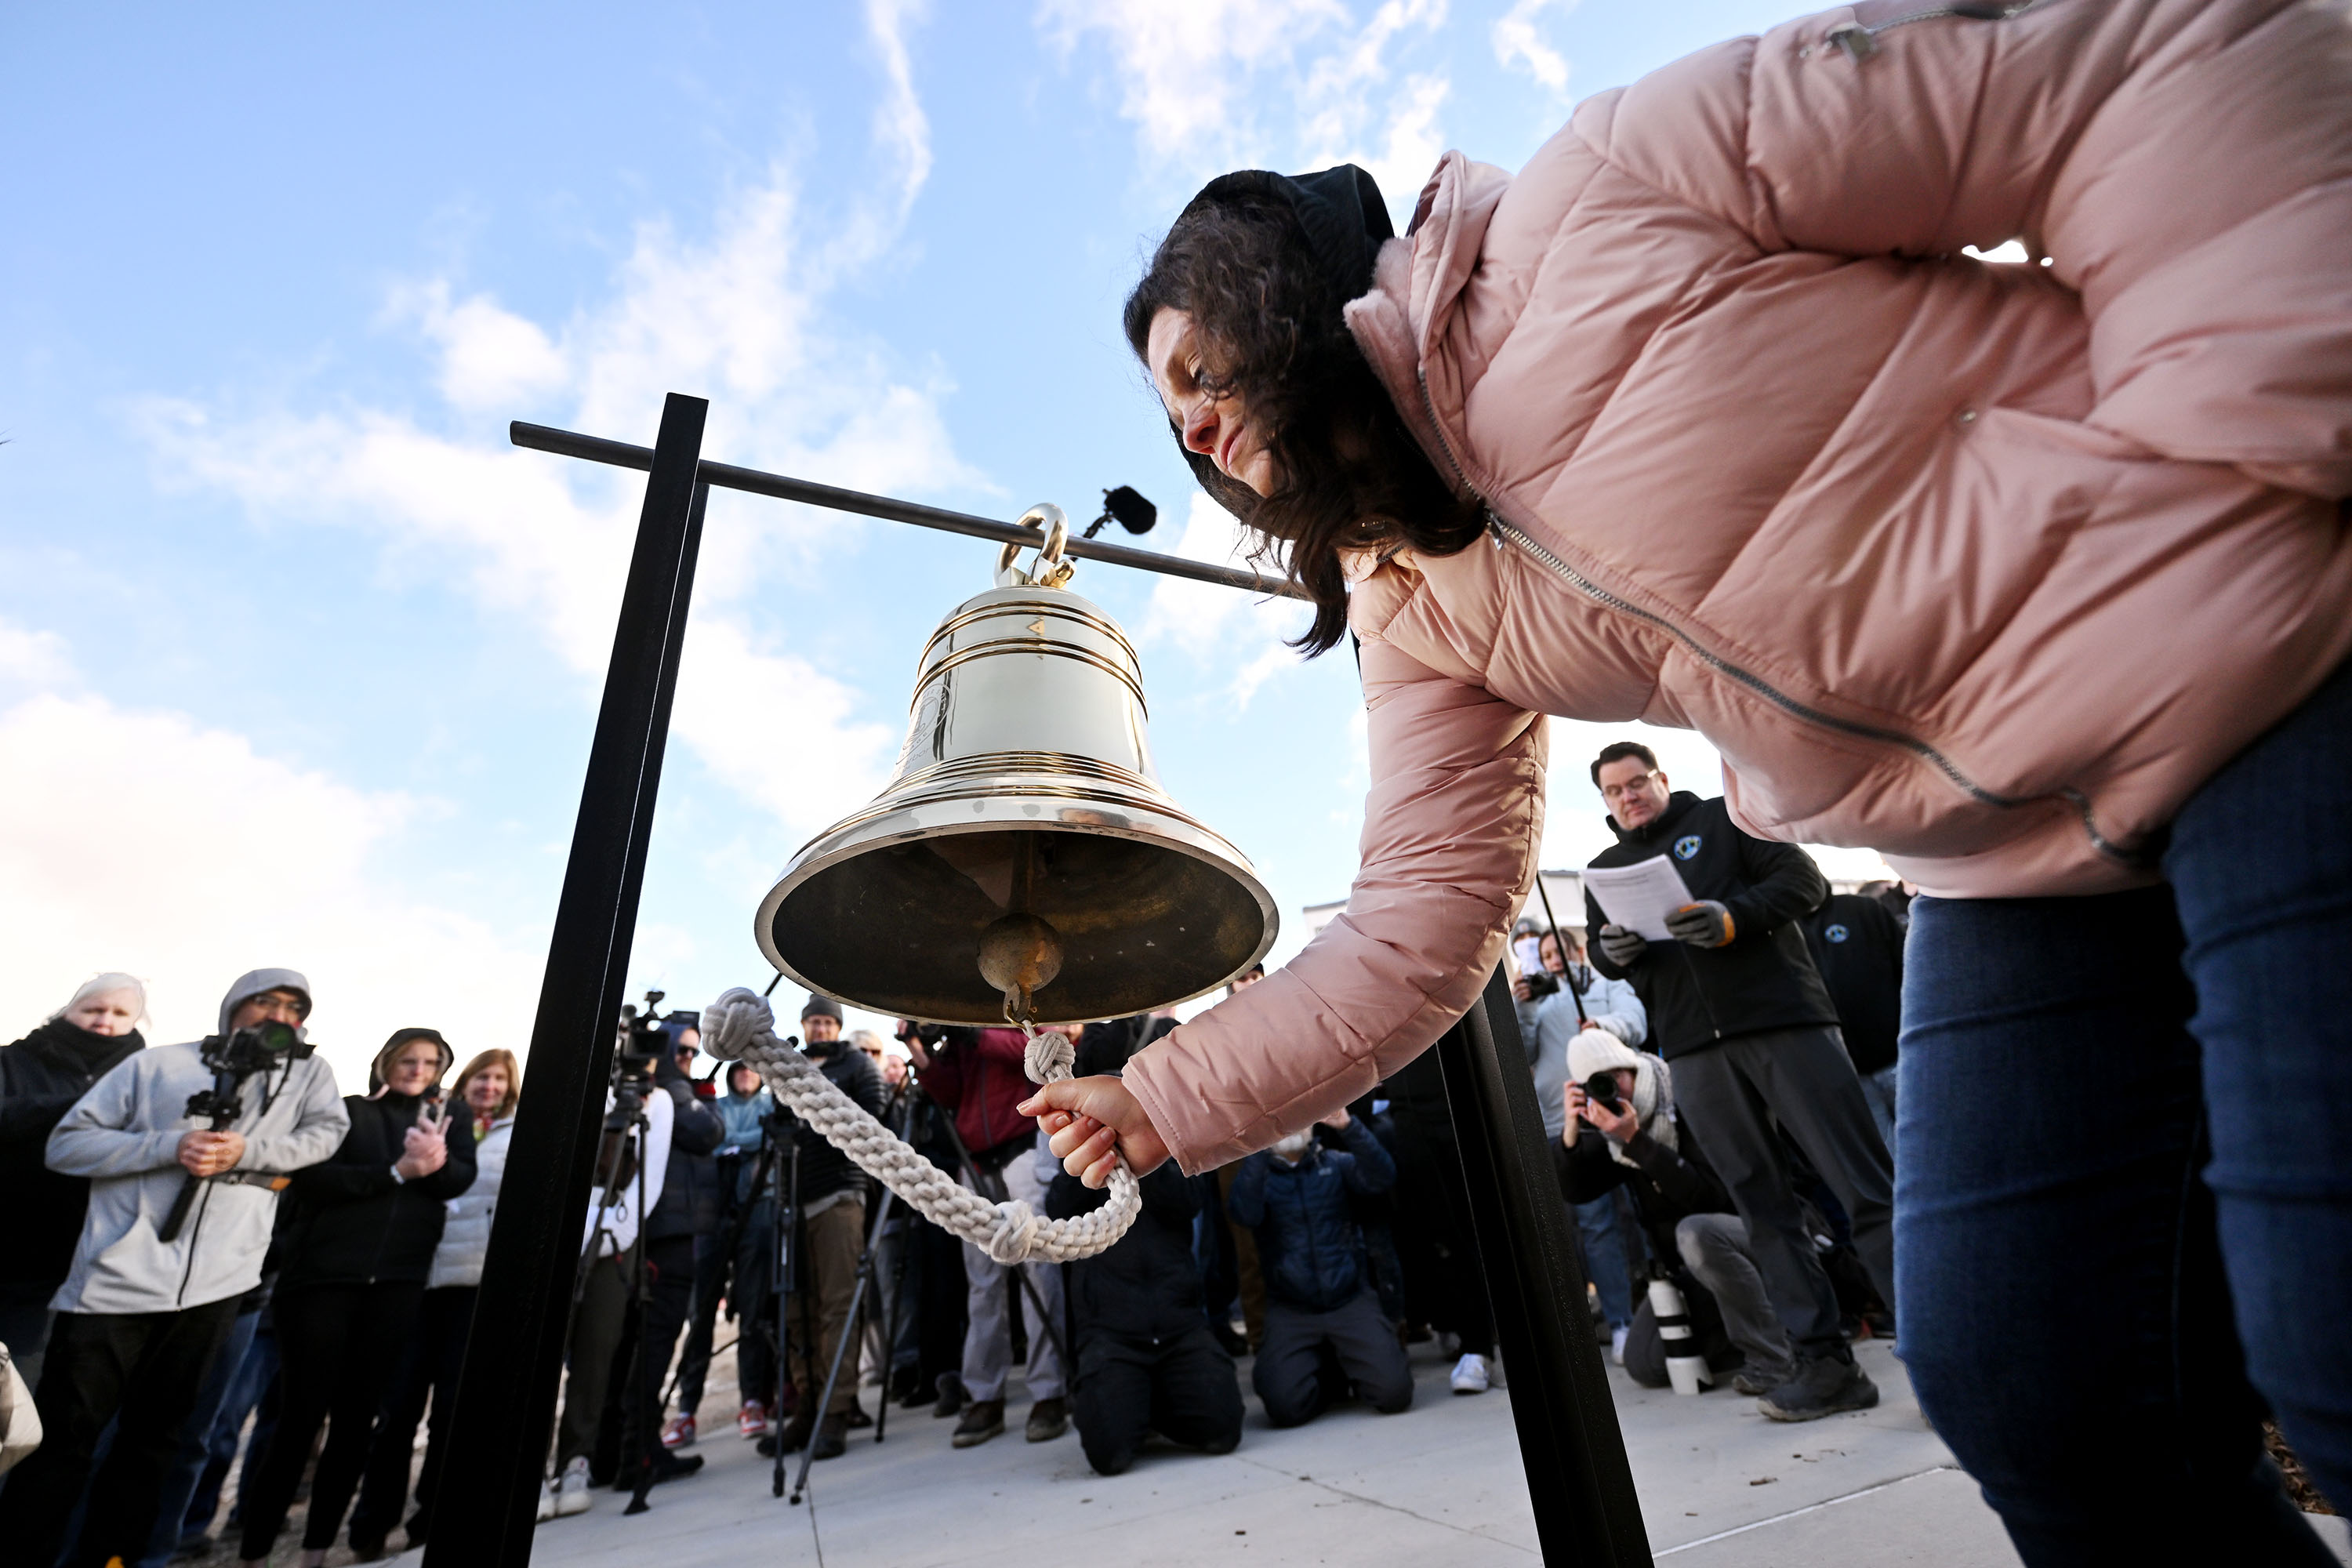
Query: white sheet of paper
{"type": "Point", "coordinates": [1641, 896]}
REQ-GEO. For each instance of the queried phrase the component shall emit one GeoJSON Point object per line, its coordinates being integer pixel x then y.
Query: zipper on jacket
{"type": "Point", "coordinates": [1860, 42]}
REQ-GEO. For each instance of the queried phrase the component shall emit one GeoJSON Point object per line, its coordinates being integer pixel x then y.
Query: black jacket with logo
{"type": "Point", "coordinates": [1858, 947]}
{"type": "Point", "coordinates": [1763, 978]}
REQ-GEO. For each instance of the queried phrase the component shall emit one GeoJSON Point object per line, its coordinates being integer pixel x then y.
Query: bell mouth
{"type": "Point", "coordinates": [892, 921]}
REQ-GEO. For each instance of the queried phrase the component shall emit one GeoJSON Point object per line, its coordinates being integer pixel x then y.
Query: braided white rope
{"type": "Point", "coordinates": [741, 1026]}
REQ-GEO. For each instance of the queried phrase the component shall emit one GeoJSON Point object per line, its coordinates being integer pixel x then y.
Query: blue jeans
{"type": "Point", "coordinates": [182, 1480]}
{"type": "Point", "coordinates": [2076, 1280]}
{"type": "Point", "coordinates": [1604, 1257]}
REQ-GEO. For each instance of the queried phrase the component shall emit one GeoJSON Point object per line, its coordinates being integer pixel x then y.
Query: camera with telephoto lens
{"type": "Point", "coordinates": [1601, 1089]}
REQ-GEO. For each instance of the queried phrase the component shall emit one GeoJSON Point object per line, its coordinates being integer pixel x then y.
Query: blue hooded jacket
{"type": "Point", "coordinates": [1308, 1246]}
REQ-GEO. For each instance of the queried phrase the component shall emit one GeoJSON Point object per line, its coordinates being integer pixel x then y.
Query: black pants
{"type": "Point", "coordinates": [436, 1354]}
{"type": "Point", "coordinates": [338, 1346]}
{"type": "Point", "coordinates": [1732, 1093]}
{"type": "Point", "coordinates": [1182, 1388]}
{"type": "Point", "coordinates": [670, 1294]}
{"type": "Point", "coordinates": [140, 1370]}
{"type": "Point", "coordinates": [1436, 1238]}
{"type": "Point", "coordinates": [744, 1274]}
{"type": "Point", "coordinates": [1310, 1360]}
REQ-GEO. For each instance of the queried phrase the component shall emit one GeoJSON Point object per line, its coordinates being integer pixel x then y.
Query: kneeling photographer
{"type": "Point", "coordinates": [187, 1148]}
{"type": "Point", "coordinates": [1622, 1129]}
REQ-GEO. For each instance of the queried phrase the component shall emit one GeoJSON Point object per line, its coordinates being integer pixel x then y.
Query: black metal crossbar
{"type": "Point", "coordinates": [782, 487]}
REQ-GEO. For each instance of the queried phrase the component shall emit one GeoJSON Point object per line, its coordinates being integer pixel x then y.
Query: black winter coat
{"type": "Point", "coordinates": [691, 1195]}
{"type": "Point", "coordinates": [824, 1169]}
{"type": "Point", "coordinates": [1667, 1186]}
{"type": "Point", "coordinates": [41, 1076]}
{"type": "Point", "coordinates": [350, 1221]}
{"type": "Point", "coordinates": [1763, 978]}
{"type": "Point", "coordinates": [1857, 944]}
{"type": "Point", "coordinates": [1146, 1285]}
{"type": "Point", "coordinates": [1309, 1247]}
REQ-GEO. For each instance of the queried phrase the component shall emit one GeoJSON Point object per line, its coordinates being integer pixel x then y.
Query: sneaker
{"type": "Point", "coordinates": [368, 1549]}
{"type": "Point", "coordinates": [1756, 1385]}
{"type": "Point", "coordinates": [832, 1438]}
{"type": "Point", "coordinates": [982, 1419]}
{"type": "Point", "coordinates": [1234, 1345]}
{"type": "Point", "coordinates": [675, 1466]}
{"type": "Point", "coordinates": [677, 1432]}
{"type": "Point", "coordinates": [1471, 1375]}
{"type": "Point", "coordinates": [1617, 1338]}
{"type": "Point", "coordinates": [753, 1421]}
{"type": "Point", "coordinates": [1048, 1419]}
{"type": "Point", "coordinates": [1823, 1386]}
{"type": "Point", "coordinates": [546, 1502]}
{"type": "Point", "coordinates": [791, 1438]}
{"type": "Point", "coordinates": [951, 1399]}
{"type": "Point", "coordinates": [572, 1495]}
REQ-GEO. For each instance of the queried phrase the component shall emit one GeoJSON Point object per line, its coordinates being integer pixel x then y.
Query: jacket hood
{"type": "Point", "coordinates": [1679, 803]}
{"type": "Point", "coordinates": [400, 1038]}
{"type": "Point", "coordinates": [253, 982]}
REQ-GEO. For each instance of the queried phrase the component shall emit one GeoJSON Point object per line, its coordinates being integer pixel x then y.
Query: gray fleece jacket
{"type": "Point", "coordinates": [124, 1135]}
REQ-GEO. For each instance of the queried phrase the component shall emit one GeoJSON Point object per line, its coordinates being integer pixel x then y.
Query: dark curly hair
{"type": "Point", "coordinates": [1351, 474]}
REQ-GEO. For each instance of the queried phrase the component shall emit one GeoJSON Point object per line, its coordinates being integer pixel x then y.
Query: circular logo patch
{"type": "Point", "coordinates": [1836, 933]}
{"type": "Point", "coordinates": [1687, 846]}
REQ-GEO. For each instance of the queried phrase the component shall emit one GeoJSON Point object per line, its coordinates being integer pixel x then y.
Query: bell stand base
{"type": "Point", "coordinates": [1579, 1481]}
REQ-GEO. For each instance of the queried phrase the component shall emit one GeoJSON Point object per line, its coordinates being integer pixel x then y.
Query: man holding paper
{"type": "Point", "coordinates": [1703, 919]}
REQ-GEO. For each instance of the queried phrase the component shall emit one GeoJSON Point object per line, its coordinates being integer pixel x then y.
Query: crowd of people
{"type": "Point", "coordinates": [223, 1256]}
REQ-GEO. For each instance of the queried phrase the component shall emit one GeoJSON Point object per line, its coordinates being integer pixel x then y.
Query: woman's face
{"type": "Point", "coordinates": [108, 1013]}
{"type": "Point", "coordinates": [1217, 426]}
{"type": "Point", "coordinates": [415, 1068]}
{"type": "Point", "coordinates": [486, 1090]}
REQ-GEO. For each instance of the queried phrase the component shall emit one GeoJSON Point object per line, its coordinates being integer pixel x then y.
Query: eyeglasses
{"type": "Point", "coordinates": [1614, 793]}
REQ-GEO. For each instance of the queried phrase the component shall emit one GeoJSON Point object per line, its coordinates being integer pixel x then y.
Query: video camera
{"type": "Point", "coordinates": [642, 1048]}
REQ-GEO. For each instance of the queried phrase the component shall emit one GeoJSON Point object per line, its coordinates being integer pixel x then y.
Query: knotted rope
{"type": "Point", "coordinates": [741, 1026]}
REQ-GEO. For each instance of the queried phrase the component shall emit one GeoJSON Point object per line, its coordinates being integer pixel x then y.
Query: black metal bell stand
{"type": "Point", "coordinates": [1578, 1479]}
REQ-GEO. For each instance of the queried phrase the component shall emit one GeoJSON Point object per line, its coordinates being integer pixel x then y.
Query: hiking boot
{"type": "Point", "coordinates": [1470, 1375]}
{"type": "Point", "coordinates": [832, 1438]}
{"type": "Point", "coordinates": [1825, 1385]}
{"type": "Point", "coordinates": [982, 1419]}
{"type": "Point", "coordinates": [1756, 1382]}
{"type": "Point", "coordinates": [791, 1438]}
{"type": "Point", "coordinates": [1048, 1419]}
{"type": "Point", "coordinates": [677, 1432]}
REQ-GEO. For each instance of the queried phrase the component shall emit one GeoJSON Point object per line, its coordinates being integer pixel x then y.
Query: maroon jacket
{"type": "Point", "coordinates": [978, 1073]}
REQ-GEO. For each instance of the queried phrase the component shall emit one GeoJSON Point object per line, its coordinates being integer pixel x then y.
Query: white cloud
{"type": "Point", "coordinates": [180, 854]}
{"type": "Point", "coordinates": [1216, 626]}
{"type": "Point", "coordinates": [1520, 43]}
{"type": "Point", "coordinates": [741, 316]}
{"type": "Point", "coordinates": [1287, 84]}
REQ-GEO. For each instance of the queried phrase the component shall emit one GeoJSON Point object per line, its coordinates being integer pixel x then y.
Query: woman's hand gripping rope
{"type": "Point", "coordinates": [740, 1026]}
{"type": "Point", "coordinates": [1093, 1124]}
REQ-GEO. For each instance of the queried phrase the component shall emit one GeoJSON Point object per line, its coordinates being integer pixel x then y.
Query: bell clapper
{"type": "Point", "coordinates": [1018, 955]}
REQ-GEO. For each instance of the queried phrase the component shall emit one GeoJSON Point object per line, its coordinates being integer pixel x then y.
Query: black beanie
{"type": "Point", "coordinates": [1341, 210]}
{"type": "Point", "coordinates": [821, 1007]}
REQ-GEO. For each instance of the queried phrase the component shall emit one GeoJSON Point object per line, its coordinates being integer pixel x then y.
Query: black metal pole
{"type": "Point", "coordinates": [1578, 1476]}
{"type": "Point", "coordinates": [782, 487]}
{"type": "Point", "coordinates": [505, 1394]}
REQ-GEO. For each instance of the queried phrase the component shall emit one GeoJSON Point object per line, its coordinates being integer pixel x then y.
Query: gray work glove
{"type": "Point", "coordinates": [1624, 948]}
{"type": "Point", "coordinates": [1703, 924]}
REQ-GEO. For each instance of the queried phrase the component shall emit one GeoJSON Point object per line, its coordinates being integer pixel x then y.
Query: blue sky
{"type": "Point", "coordinates": [299, 658]}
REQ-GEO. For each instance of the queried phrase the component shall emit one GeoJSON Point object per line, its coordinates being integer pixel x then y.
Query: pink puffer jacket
{"type": "Point", "coordinates": [1985, 567]}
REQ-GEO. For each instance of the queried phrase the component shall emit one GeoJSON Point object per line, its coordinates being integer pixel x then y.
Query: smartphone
{"type": "Point", "coordinates": [431, 1114]}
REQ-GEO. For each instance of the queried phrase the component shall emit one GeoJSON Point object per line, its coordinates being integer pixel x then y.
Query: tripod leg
{"type": "Point", "coordinates": [832, 1376]}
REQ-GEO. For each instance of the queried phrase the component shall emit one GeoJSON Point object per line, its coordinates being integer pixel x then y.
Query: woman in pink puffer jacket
{"type": "Point", "coordinates": [2035, 578]}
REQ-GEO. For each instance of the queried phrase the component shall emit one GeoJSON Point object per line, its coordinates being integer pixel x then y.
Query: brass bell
{"type": "Point", "coordinates": [1023, 861]}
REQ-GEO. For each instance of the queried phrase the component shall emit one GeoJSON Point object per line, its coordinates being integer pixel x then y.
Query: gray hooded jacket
{"type": "Point", "coordinates": [124, 1135]}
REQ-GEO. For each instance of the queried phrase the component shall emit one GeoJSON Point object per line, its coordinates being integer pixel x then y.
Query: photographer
{"type": "Point", "coordinates": [1560, 1000]}
{"type": "Point", "coordinates": [1146, 1359]}
{"type": "Point", "coordinates": [632, 1165]}
{"type": "Point", "coordinates": [140, 1319]}
{"type": "Point", "coordinates": [1622, 1130]}
{"type": "Point", "coordinates": [831, 1237]}
{"type": "Point", "coordinates": [40, 1078]}
{"type": "Point", "coordinates": [978, 1075]}
{"type": "Point", "coordinates": [358, 1242]}
{"type": "Point", "coordinates": [1324, 1329]}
